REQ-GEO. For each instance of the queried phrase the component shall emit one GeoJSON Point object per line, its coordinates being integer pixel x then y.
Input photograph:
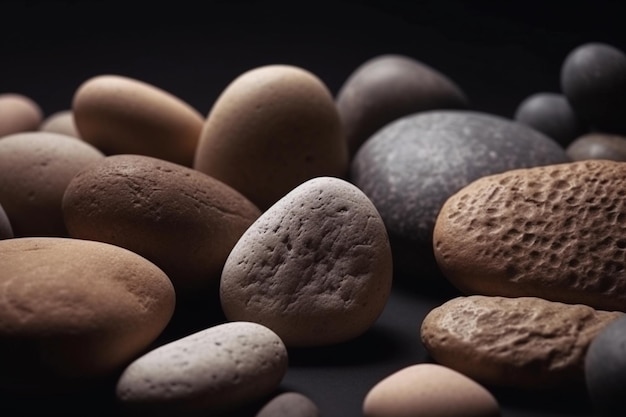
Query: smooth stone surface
{"type": "Point", "coordinates": [429, 390]}
{"type": "Point", "coordinates": [411, 166]}
{"type": "Point", "coordinates": [214, 370]}
{"type": "Point", "coordinates": [121, 115]}
{"type": "Point", "coordinates": [72, 310]}
{"type": "Point", "coordinates": [593, 78]}
{"type": "Point", "coordinates": [556, 232]}
{"type": "Point", "coordinates": [552, 115]}
{"type": "Point", "coordinates": [6, 231]}
{"type": "Point", "coordinates": [182, 220]}
{"type": "Point", "coordinates": [605, 370]}
{"type": "Point", "coordinates": [316, 267]}
{"type": "Point", "coordinates": [598, 146]}
{"type": "Point", "coordinates": [270, 130]}
{"type": "Point", "coordinates": [18, 113]}
{"type": "Point", "coordinates": [60, 122]}
{"type": "Point", "coordinates": [387, 87]}
{"type": "Point", "coordinates": [35, 169]}
{"type": "Point", "coordinates": [289, 404]}
{"type": "Point", "coordinates": [523, 342]}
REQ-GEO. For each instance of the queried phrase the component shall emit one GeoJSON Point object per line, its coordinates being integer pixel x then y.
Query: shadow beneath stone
{"type": "Point", "coordinates": [572, 401]}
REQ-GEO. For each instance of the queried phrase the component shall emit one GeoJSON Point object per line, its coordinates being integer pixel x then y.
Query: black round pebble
{"type": "Point", "coordinates": [598, 146]}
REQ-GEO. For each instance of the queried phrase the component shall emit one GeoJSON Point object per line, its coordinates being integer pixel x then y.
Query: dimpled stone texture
{"type": "Point", "coordinates": [411, 166]}
{"type": "Point", "coordinates": [289, 404]}
{"type": "Point", "coordinates": [556, 232]}
{"type": "Point", "coordinates": [524, 342]}
{"type": "Point", "coordinates": [598, 146]}
{"type": "Point", "coordinates": [605, 370]}
{"type": "Point", "coordinates": [315, 268]}
{"type": "Point", "coordinates": [213, 370]}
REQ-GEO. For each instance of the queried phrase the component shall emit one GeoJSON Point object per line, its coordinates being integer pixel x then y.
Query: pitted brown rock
{"type": "Point", "coordinates": [556, 232]}
{"type": "Point", "coordinates": [316, 267]}
{"type": "Point", "coordinates": [521, 342]}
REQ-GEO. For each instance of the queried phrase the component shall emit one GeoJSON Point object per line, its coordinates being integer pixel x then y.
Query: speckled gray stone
{"type": "Point", "coordinates": [315, 267]}
{"type": "Point", "coordinates": [217, 369]}
{"type": "Point", "coordinates": [598, 146]}
{"type": "Point", "coordinates": [289, 404]}
{"type": "Point", "coordinates": [411, 166]}
{"type": "Point", "coordinates": [6, 231]}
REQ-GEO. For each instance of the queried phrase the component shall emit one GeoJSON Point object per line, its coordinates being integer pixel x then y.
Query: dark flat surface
{"type": "Point", "coordinates": [497, 55]}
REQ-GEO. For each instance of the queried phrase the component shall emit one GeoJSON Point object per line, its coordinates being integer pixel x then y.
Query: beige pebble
{"type": "Point", "coordinates": [523, 342]}
{"type": "Point", "coordinates": [429, 390]}
{"type": "Point", "coordinates": [121, 115]}
{"type": "Point", "coordinates": [18, 113]}
{"type": "Point", "coordinates": [289, 404]}
{"type": "Point", "coordinates": [35, 169]}
{"type": "Point", "coordinates": [72, 310]}
{"type": "Point", "coordinates": [60, 122]}
{"type": "Point", "coordinates": [271, 129]}
{"type": "Point", "coordinates": [217, 369]}
{"type": "Point", "coordinates": [556, 232]}
{"type": "Point", "coordinates": [316, 267]}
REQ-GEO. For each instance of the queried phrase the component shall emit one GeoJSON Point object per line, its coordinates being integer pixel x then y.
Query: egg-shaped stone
{"type": "Point", "coordinates": [18, 113]}
{"type": "Point", "coordinates": [184, 221]}
{"type": "Point", "coordinates": [598, 146]}
{"type": "Point", "coordinates": [73, 310]}
{"type": "Point", "coordinates": [429, 390]}
{"type": "Point", "coordinates": [522, 342]}
{"type": "Point", "coordinates": [316, 267]}
{"type": "Point", "coordinates": [387, 87]}
{"type": "Point", "coordinates": [121, 115]}
{"type": "Point", "coordinates": [411, 166]}
{"type": "Point", "coordinates": [556, 232]}
{"type": "Point", "coordinates": [605, 370]}
{"type": "Point", "coordinates": [214, 370]}
{"type": "Point", "coordinates": [552, 115]}
{"type": "Point", "coordinates": [35, 169]}
{"type": "Point", "coordinates": [6, 231]}
{"type": "Point", "coordinates": [289, 404]}
{"type": "Point", "coordinates": [270, 130]}
{"type": "Point", "coordinates": [593, 78]}
{"type": "Point", "coordinates": [60, 122]}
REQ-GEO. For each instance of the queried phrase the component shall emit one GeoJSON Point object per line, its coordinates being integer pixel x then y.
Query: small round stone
{"type": "Point", "coordinates": [6, 231]}
{"type": "Point", "coordinates": [605, 370]}
{"type": "Point", "coordinates": [60, 122]}
{"type": "Point", "coordinates": [598, 146]}
{"type": "Point", "coordinates": [552, 115]}
{"type": "Point", "coordinates": [429, 390]}
{"type": "Point", "coordinates": [18, 113]}
{"type": "Point", "coordinates": [315, 268]}
{"type": "Point", "coordinates": [289, 404]}
{"type": "Point", "coordinates": [213, 370]}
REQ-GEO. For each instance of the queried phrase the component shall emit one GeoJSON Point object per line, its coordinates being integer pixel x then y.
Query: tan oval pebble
{"type": "Point", "coordinates": [556, 232]}
{"type": "Point", "coordinates": [217, 369]}
{"type": "Point", "coordinates": [271, 129]}
{"type": "Point", "coordinates": [289, 404]}
{"type": "Point", "coordinates": [6, 231]}
{"type": "Point", "coordinates": [18, 113]}
{"type": "Point", "coordinates": [598, 146]}
{"type": "Point", "coordinates": [121, 115]}
{"type": "Point", "coordinates": [429, 390]}
{"type": "Point", "coordinates": [75, 309]}
{"type": "Point", "coordinates": [316, 267]}
{"type": "Point", "coordinates": [182, 220]}
{"type": "Point", "coordinates": [60, 122]}
{"type": "Point", "coordinates": [35, 169]}
{"type": "Point", "coordinates": [524, 342]}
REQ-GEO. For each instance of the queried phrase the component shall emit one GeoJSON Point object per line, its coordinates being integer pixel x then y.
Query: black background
{"type": "Point", "coordinates": [497, 52]}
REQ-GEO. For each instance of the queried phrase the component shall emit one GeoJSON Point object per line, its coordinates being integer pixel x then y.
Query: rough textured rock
{"type": "Point", "coordinates": [72, 310]}
{"type": "Point", "coordinates": [524, 342]}
{"type": "Point", "coordinates": [289, 404]}
{"type": "Point", "coordinates": [121, 115]}
{"type": "Point", "coordinates": [556, 232]}
{"type": "Point", "coordinates": [182, 220]}
{"type": "Point", "coordinates": [214, 370]}
{"type": "Point", "coordinates": [35, 169]}
{"type": "Point", "coordinates": [429, 390]}
{"type": "Point", "coordinates": [18, 113]}
{"type": "Point", "coordinates": [387, 87]}
{"type": "Point", "coordinates": [60, 122]}
{"type": "Point", "coordinates": [411, 166]}
{"type": "Point", "coordinates": [598, 146]}
{"type": "Point", "coordinates": [593, 78]}
{"type": "Point", "coordinates": [552, 115]}
{"type": "Point", "coordinates": [605, 370]}
{"type": "Point", "coordinates": [6, 231]}
{"type": "Point", "coordinates": [270, 130]}
{"type": "Point", "coordinates": [315, 268]}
